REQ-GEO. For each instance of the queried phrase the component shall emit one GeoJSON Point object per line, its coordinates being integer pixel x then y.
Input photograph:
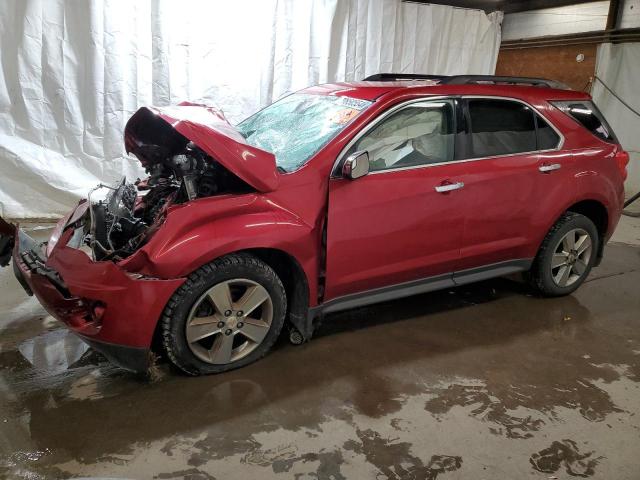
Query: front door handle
{"type": "Point", "coordinates": [447, 187]}
{"type": "Point", "coordinates": [549, 167]}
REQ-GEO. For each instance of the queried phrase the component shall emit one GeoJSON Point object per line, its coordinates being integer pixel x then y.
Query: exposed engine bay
{"type": "Point", "coordinates": [188, 152]}
{"type": "Point", "coordinates": [179, 172]}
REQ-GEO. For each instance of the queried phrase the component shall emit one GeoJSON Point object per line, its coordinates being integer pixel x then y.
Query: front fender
{"type": "Point", "coordinates": [201, 231]}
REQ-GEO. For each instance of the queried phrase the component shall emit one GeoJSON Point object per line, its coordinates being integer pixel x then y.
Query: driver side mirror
{"type": "Point", "coordinates": [356, 165]}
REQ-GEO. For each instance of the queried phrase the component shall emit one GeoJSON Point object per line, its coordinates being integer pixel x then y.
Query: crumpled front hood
{"type": "Point", "coordinates": [207, 127]}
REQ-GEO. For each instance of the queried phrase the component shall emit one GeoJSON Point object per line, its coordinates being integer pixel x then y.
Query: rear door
{"type": "Point", "coordinates": [397, 224]}
{"type": "Point", "coordinates": [515, 181]}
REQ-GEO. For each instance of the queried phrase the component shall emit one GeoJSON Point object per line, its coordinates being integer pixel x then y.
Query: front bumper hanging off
{"type": "Point", "coordinates": [114, 311]}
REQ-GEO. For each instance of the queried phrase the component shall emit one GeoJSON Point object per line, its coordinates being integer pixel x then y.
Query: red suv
{"type": "Point", "coordinates": [334, 197]}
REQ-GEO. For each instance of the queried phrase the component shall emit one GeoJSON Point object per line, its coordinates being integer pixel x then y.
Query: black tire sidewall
{"type": "Point", "coordinates": [544, 271]}
{"type": "Point", "coordinates": [240, 266]}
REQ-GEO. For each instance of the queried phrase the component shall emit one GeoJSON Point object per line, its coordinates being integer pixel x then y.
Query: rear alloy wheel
{"type": "Point", "coordinates": [227, 314]}
{"type": "Point", "coordinates": [571, 257]}
{"type": "Point", "coordinates": [566, 256]}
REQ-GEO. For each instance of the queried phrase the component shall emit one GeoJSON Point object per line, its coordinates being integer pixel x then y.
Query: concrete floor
{"type": "Point", "coordinates": [481, 382]}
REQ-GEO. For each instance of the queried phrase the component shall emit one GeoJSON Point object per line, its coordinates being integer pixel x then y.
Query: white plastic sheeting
{"type": "Point", "coordinates": [618, 65]}
{"type": "Point", "coordinates": [73, 72]}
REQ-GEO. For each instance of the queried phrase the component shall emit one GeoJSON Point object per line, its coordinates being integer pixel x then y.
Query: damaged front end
{"type": "Point", "coordinates": [179, 171]}
{"type": "Point", "coordinates": [112, 310]}
{"type": "Point", "coordinates": [189, 152]}
{"type": "Point", "coordinates": [119, 225]}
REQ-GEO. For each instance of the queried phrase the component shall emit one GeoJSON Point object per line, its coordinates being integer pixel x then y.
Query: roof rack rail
{"type": "Point", "coordinates": [536, 82]}
{"type": "Point", "coordinates": [468, 79]}
{"type": "Point", "coordinates": [390, 77]}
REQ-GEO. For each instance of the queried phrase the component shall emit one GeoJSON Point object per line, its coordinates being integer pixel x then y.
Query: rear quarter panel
{"type": "Point", "coordinates": [595, 170]}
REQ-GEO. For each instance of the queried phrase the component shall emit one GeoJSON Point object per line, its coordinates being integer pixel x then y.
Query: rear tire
{"type": "Point", "coordinates": [227, 314]}
{"type": "Point", "coordinates": [566, 256]}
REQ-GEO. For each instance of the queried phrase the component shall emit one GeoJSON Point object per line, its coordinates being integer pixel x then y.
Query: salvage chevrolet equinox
{"type": "Point", "coordinates": [334, 197]}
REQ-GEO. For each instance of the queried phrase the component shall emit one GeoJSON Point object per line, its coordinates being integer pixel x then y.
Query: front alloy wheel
{"type": "Point", "coordinates": [227, 314]}
{"type": "Point", "coordinates": [229, 321]}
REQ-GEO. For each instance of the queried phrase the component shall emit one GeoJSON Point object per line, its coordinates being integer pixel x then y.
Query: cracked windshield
{"type": "Point", "coordinates": [295, 127]}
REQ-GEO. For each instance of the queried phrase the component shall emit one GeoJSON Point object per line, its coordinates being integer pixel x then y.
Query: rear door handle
{"type": "Point", "coordinates": [549, 167]}
{"type": "Point", "coordinates": [448, 187]}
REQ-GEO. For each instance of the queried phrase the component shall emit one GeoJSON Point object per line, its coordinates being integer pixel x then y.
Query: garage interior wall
{"type": "Point", "coordinates": [573, 65]}
{"type": "Point", "coordinates": [618, 65]}
{"type": "Point", "coordinates": [73, 72]}
{"type": "Point", "coordinates": [582, 17]}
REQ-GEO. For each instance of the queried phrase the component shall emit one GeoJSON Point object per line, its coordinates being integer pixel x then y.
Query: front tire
{"type": "Point", "coordinates": [228, 313]}
{"type": "Point", "coordinates": [566, 256]}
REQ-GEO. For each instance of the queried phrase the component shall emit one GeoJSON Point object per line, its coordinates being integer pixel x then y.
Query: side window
{"type": "Point", "coordinates": [418, 134]}
{"type": "Point", "coordinates": [547, 136]}
{"type": "Point", "coordinates": [500, 127]}
{"type": "Point", "coordinates": [590, 117]}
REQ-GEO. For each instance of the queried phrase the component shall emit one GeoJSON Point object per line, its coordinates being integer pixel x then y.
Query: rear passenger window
{"type": "Point", "coordinates": [589, 116]}
{"type": "Point", "coordinates": [500, 127]}
{"type": "Point", "coordinates": [548, 139]}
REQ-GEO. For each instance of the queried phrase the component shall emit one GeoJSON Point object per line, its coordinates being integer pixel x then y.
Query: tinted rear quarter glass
{"type": "Point", "coordinates": [588, 115]}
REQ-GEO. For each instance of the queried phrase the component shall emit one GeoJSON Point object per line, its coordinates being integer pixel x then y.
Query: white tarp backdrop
{"type": "Point", "coordinates": [618, 65]}
{"type": "Point", "coordinates": [74, 71]}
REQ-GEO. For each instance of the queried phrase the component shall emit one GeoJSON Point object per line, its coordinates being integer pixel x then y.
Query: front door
{"type": "Point", "coordinates": [403, 221]}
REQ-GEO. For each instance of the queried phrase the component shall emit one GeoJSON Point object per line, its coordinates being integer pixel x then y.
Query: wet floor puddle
{"type": "Point", "coordinates": [481, 382]}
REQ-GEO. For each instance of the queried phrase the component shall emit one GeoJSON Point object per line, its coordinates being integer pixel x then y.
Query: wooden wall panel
{"type": "Point", "coordinates": [556, 63]}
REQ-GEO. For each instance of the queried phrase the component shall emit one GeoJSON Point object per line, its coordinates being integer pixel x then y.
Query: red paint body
{"type": "Point", "coordinates": [381, 229]}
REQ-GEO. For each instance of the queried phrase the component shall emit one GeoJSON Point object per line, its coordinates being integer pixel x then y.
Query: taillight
{"type": "Point", "coordinates": [622, 159]}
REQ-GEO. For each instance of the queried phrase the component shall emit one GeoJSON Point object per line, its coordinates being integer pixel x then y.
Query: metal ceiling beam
{"type": "Point", "coordinates": [582, 38]}
{"type": "Point", "coordinates": [507, 6]}
{"type": "Point", "coordinates": [514, 6]}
